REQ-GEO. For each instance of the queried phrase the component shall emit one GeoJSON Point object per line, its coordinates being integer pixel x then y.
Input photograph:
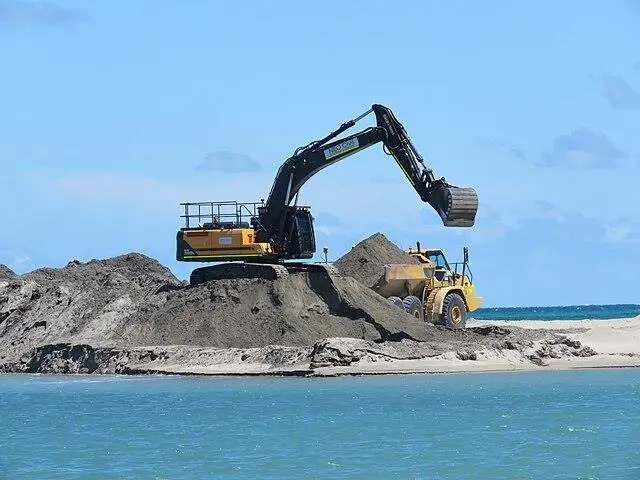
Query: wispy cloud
{"type": "Point", "coordinates": [18, 12]}
{"type": "Point", "coordinates": [19, 260]}
{"type": "Point", "coordinates": [489, 225]}
{"type": "Point", "coordinates": [583, 148]}
{"type": "Point", "coordinates": [228, 162]}
{"type": "Point", "coordinates": [349, 202]}
{"type": "Point", "coordinates": [544, 246]}
{"type": "Point", "coordinates": [328, 219]}
{"type": "Point", "coordinates": [622, 230]}
{"type": "Point", "coordinates": [548, 223]}
{"type": "Point", "coordinates": [619, 93]}
{"type": "Point", "coordinates": [146, 193]}
{"type": "Point", "coordinates": [329, 224]}
{"type": "Point", "coordinates": [15, 260]}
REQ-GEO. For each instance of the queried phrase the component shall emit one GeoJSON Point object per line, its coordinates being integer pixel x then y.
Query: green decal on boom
{"type": "Point", "coordinates": [341, 148]}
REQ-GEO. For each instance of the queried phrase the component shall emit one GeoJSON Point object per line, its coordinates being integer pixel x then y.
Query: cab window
{"type": "Point", "coordinates": [439, 260]}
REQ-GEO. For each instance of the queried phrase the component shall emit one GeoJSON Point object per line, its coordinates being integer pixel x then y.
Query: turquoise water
{"type": "Point", "coordinates": [576, 312]}
{"type": "Point", "coordinates": [531, 425]}
{"type": "Point", "coordinates": [535, 425]}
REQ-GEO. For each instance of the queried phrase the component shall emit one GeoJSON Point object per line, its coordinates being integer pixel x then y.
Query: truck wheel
{"type": "Point", "coordinates": [454, 312]}
{"type": "Point", "coordinates": [413, 306]}
{"type": "Point", "coordinates": [397, 301]}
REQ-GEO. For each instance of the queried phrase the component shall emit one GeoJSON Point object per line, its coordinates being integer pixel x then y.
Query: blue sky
{"type": "Point", "coordinates": [111, 113]}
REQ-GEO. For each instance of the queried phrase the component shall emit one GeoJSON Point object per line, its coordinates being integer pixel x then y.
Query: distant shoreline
{"type": "Point", "coordinates": [560, 312]}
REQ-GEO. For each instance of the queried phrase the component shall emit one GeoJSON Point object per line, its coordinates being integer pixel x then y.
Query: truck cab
{"type": "Point", "coordinates": [446, 274]}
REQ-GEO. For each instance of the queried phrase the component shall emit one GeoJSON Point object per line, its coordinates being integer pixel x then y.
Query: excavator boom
{"type": "Point", "coordinates": [283, 231]}
{"type": "Point", "coordinates": [457, 207]}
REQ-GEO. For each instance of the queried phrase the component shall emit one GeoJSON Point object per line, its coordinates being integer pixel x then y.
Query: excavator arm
{"type": "Point", "coordinates": [456, 206]}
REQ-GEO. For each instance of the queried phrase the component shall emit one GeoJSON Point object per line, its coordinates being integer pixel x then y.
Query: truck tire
{"type": "Point", "coordinates": [397, 301]}
{"type": "Point", "coordinates": [414, 307]}
{"type": "Point", "coordinates": [454, 312]}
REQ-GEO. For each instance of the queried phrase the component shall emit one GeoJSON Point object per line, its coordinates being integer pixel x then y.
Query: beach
{"type": "Point", "coordinates": [512, 346]}
{"type": "Point", "coordinates": [130, 315]}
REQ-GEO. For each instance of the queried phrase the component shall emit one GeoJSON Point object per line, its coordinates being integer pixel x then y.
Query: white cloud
{"type": "Point", "coordinates": [622, 231]}
{"type": "Point", "coordinates": [346, 206]}
{"type": "Point", "coordinates": [359, 204]}
{"type": "Point", "coordinates": [549, 211]}
{"type": "Point", "coordinates": [583, 149]}
{"type": "Point", "coordinates": [619, 93]}
{"type": "Point", "coordinates": [143, 193]}
{"type": "Point", "coordinates": [15, 259]}
{"type": "Point", "coordinates": [18, 12]}
{"type": "Point", "coordinates": [19, 260]}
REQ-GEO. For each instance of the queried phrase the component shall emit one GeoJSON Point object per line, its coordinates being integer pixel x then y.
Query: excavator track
{"type": "Point", "coordinates": [250, 270]}
{"type": "Point", "coordinates": [460, 206]}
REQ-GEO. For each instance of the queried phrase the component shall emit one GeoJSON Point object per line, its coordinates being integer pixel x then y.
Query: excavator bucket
{"type": "Point", "coordinates": [457, 206]}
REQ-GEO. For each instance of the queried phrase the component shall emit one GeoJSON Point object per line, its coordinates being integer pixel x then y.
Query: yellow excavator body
{"type": "Point", "coordinates": [222, 244]}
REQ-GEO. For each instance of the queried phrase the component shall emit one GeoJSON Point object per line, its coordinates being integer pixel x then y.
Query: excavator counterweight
{"type": "Point", "coordinates": [273, 231]}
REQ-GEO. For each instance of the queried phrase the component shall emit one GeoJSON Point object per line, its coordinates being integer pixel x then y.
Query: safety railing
{"type": "Point", "coordinates": [226, 214]}
{"type": "Point", "coordinates": [467, 270]}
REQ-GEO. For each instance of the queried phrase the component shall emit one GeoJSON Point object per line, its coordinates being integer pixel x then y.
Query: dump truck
{"type": "Point", "coordinates": [269, 233]}
{"type": "Point", "coordinates": [431, 290]}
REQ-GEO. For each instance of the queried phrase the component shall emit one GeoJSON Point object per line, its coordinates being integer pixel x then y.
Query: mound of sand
{"type": "Point", "coordinates": [133, 267]}
{"type": "Point", "coordinates": [296, 310]}
{"type": "Point", "coordinates": [81, 301]}
{"type": "Point", "coordinates": [131, 301]}
{"type": "Point", "coordinates": [365, 262]}
{"type": "Point", "coordinates": [129, 314]}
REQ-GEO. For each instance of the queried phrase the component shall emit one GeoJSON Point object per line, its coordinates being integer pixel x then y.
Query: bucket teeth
{"type": "Point", "coordinates": [460, 207]}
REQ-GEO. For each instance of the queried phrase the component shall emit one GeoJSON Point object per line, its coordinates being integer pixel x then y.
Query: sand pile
{"type": "Point", "coordinates": [365, 262]}
{"type": "Point", "coordinates": [132, 301]}
{"type": "Point", "coordinates": [81, 302]}
{"type": "Point", "coordinates": [129, 314]}
{"type": "Point", "coordinates": [296, 310]}
{"type": "Point", "coordinates": [143, 272]}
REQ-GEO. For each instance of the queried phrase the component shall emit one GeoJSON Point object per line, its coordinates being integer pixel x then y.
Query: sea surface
{"type": "Point", "coordinates": [582, 424]}
{"type": "Point", "coordinates": [536, 425]}
{"type": "Point", "coordinates": [574, 312]}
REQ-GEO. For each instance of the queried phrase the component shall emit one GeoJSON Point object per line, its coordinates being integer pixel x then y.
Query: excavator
{"type": "Point", "coordinates": [255, 239]}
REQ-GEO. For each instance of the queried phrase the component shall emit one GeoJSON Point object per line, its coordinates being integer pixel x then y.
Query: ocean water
{"type": "Point", "coordinates": [574, 312]}
{"type": "Point", "coordinates": [535, 425]}
{"type": "Point", "coordinates": [517, 425]}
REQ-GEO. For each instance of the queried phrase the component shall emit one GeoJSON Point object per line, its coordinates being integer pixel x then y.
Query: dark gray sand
{"type": "Point", "coordinates": [365, 262]}
{"type": "Point", "coordinates": [129, 314]}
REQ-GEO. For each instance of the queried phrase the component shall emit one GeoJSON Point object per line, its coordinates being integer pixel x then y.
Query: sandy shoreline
{"type": "Point", "coordinates": [616, 343]}
{"type": "Point", "coordinates": [130, 315]}
{"type": "Point", "coordinates": [555, 345]}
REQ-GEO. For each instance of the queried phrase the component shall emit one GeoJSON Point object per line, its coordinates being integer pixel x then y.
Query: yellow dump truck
{"type": "Point", "coordinates": [431, 290]}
